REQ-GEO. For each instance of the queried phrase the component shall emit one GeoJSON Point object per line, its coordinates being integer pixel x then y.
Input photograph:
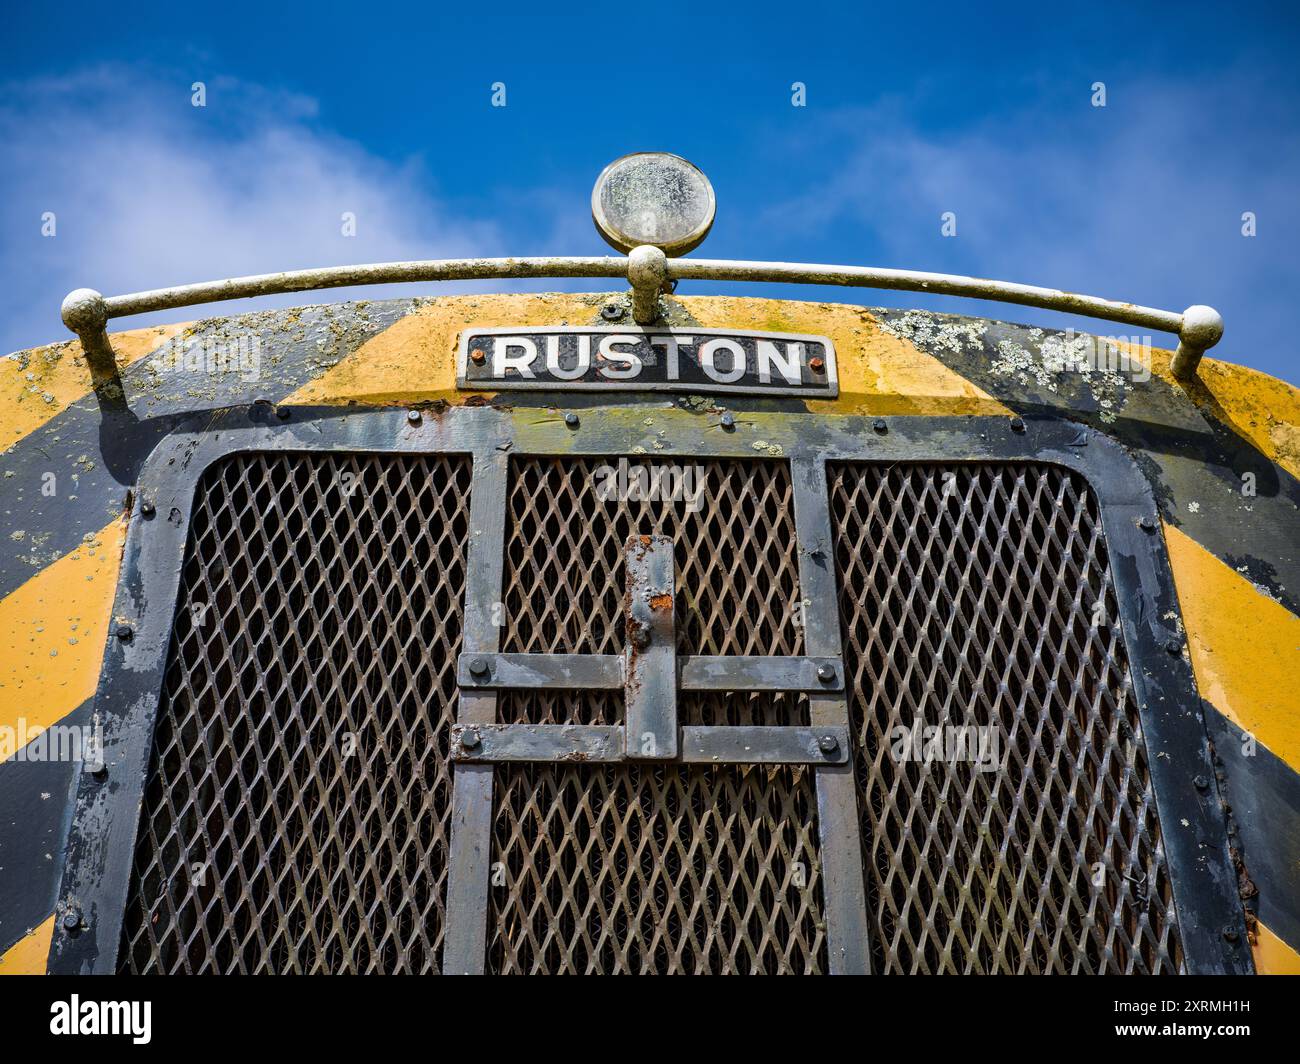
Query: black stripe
{"type": "Point", "coordinates": [1264, 795]}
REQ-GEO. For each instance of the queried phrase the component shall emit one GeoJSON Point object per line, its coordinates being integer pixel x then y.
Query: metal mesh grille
{"type": "Point", "coordinates": [664, 869]}
{"type": "Point", "coordinates": [734, 555]}
{"type": "Point", "coordinates": [979, 595]}
{"type": "Point", "coordinates": [296, 812]}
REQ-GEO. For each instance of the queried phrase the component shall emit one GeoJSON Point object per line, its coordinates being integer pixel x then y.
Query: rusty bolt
{"type": "Point", "coordinates": [478, 667]}
{"type": "Point", "coordinates": [146, 509]}
{"type": "Point", "coordinates": [478, 356]}
{"type": "Point", "coordinates": [469, 739]}
{"type": "Point", "coordinates": [816, 364]}
{"type": "Point", "coordinates": [71, 921]}
{"type": "Point", "coordinates": [1230, 934]}
{"type": "Point", "coordinates": [827, 744]}
{"type": "Point", "coordinates": [880, 426]}
{"type": "Point", "coordinates": [572, 420]}
{"type": "Point", "coordinates": [728, 421]}
{"type": "Point", "coordinates": [825, 673]}
{"type": "Point", "coordinates": [1147, 524]}
{"type": "Point", "coordinates": [1017, 425]}
{"type": "Point", "coordinates": [413, 416]}
{"type": "Point", "coordinates": [125, 632]}
{"type": "Point", "coordinates": [611, 312]}
{"type": "Point", "coordinates": [1202, 783]}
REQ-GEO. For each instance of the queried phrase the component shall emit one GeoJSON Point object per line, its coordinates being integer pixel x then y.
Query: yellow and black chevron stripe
{"type": "Point", "coordinates": [1222, 453]}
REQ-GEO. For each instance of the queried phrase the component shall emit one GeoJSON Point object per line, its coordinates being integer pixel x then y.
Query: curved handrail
{"type": "Point", "coordinates": [87, 312]}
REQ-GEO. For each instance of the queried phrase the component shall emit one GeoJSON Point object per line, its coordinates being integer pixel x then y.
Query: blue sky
{"type": "Point", "coordinates": [912, 110]}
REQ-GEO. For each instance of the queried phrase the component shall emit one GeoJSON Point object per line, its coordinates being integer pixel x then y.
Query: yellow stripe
{"type": "Point", "coordinates": [28, 955]}
{"type": "Point", "coordinates": [414, 360]}
{"type": "Point", "coordinates": [36, 385]}
{"type": "Point", "coordinates": [879, 373]}
{"type": "Point", "coordinates": [1261, 409]}
{"type": "Point", "coordinates": [1272, 955]}
{"type": "Point", "coordinates": [55, 627]}
{"type": "Point", "coordinates": [1245, 648]}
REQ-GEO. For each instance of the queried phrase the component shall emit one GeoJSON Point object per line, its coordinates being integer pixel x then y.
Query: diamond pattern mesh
{"type": "Point", "coordinates": [615, 869]}
{"type": "Point", "coordinates": [981, 595]}
{"type": "Point", "coordinates": [734, 556]}
{"type": "Point", "coordinates": [296, 812]}
{"type": "Point", "coordinates": [653, 869]}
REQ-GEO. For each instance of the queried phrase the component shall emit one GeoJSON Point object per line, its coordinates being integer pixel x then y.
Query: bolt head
{"type": "Point", "coordinates": [478, 667]}
{"type": "Point", "coordinates": [99, 770]}
{"type": "Point", "coordinates": [879, 426]}
{"type": "Point", "coordinates": [825, 673]}
{"type": "Point", "coordinates": [571, 419]}
{"type": "Point", "coordinates": [728, 421]}
{"type": "Point", "coordinates": [827, 744]}
{"type": "Point", "coordinates": [1017, 424]}
{"type": "Point", "coordinates": [478, 356]}
{"type": "Point", "coordinates": [1230, 934]}
{"type": "Point", "coordinates": [71, 920]}
{"type": "Point", "coordinates": [1202, 783]}
{"type": "Point", "coordinates": [816, 364]}
{"type": "Point", "coordinates": [469, 739]}
{"type": "Point", "coordinates": [125, 632]}
{"type": "Point", "coordinates": [146, 509]}
{"type": "Point", "coordinates": [1147, 524]}
{"type": "Point", "coordinates": [641, 638]}
{"type": "Point", "coordinates": [612, 312]}
{"type": "Point", "coordinates": [282, 412]}
{"type": "Point", "coordinates": [1174, 647]}
{"type": "Point", "coordinates": [413, 416]}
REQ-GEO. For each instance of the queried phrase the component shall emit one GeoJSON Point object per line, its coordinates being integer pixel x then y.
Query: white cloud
{"type": "Point", "coordinates": [149, 191]}
{"type": "Point", "coordinates": [1140, 201]}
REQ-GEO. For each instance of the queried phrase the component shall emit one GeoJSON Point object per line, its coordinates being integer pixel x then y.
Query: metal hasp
{"type": "Point", "coordinates": [650, 675]}
{"type": "Point", "coordinates": [650, 689]}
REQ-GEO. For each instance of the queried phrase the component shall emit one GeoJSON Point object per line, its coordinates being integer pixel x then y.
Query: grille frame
{"type": "Point", "coordinates": [101, 841]}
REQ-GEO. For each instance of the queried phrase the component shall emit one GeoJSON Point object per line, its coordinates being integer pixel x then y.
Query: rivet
{"type": "Point", "coordinates": [611, 312]}
{"type": "Point", "coordinates": [71, 921]}
{"type": "Point", "coordinates": [816, 364]}
{"type": "Point", "coordinates": [1230, 934]}
{"type": "Point", "coordinates": [413, 416]}
{"type": "Point", "coordinates": [825, 673]}
{"type": "Point", "coordinates": [478, 356]}
{"type": "Point", "coordinates": [880, 426]}
{"type": "Point", "coordinates": [478, 667]}
{"type": "Point", "coordinates": [1017, 425]}
{"type": "Point", "coordinates": [469, 739]}
{"type": "Point", "coordinates": [99, 770]}
{"type": "Point", "coordinates": [1147, 524]}
{"type": "Point", "coordinates": [571, 419]}
{"type": "Point", "coordinates": [827, 744]}
{"type": "Point", "coordinates": [728, 421]}
{"type": "Point", "coordinates": [125, 632]}
{"type": "Point", "coordinates": [146, 509]}
{"type": "Point", "coordinates": [1202, 783]}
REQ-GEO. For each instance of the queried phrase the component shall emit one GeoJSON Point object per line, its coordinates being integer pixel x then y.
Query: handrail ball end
{"type": "Point", "coordinates": [1202, 328]}
{"type": "Point", "coordinates": [84, 310]}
